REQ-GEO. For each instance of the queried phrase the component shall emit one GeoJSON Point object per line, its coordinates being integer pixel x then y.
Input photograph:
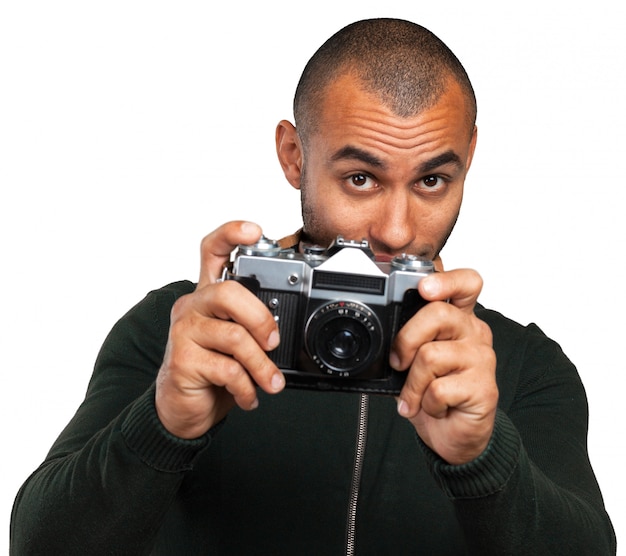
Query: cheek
{"type": "Point", "coordinates": [443, 221]}
{"type": "Point", "coordinates": [325, 216]}
{"type": "Point", "coordinates": [322, 207]}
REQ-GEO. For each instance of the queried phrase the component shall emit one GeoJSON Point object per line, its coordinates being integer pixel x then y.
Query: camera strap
{"type": "Point", "coordinates": [292, 240]}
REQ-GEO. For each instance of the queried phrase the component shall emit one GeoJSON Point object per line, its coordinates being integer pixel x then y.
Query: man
{"type": "Point", "coordinates": [188, 442]}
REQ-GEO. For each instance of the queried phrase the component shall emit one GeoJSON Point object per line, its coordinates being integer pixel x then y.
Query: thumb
{"type": "Point", "coordinates": [216, 248]}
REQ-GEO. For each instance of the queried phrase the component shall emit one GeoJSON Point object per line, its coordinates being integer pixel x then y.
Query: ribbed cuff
{"type": "Point", "coordinates": [485, 475]}
{"type": "Point", "coordinates": [154, 444]}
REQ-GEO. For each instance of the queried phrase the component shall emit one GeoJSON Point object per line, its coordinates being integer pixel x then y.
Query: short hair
{"type": "Point", "coordinates": [403, 63]}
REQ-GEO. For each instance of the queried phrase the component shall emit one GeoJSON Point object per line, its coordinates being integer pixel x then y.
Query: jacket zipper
{"type": "Point", "coordinates": [361, 439]}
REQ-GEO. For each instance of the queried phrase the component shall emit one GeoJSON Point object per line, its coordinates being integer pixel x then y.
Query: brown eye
{"type": "Point", "coordinates": [431, 181]}
{"type": "Point", "coordinates": [432, 185]}
{"type": "Point", "coordinates": [359, 180]}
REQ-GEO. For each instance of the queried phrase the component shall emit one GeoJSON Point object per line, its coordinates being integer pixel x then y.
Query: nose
{"type": "Point", "coordinates": [393, 227]}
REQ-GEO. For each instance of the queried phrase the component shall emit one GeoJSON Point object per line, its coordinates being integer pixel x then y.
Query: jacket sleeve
{"type": "Point", "coordinates": [533, 490]}
{"type": "Point", "coordinates": [111, 475]}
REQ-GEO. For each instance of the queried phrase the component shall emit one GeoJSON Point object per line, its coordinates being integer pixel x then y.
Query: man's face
{"type": "Point", "coordinates": [369, 174]}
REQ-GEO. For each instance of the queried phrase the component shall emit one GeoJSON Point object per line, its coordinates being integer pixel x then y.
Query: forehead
{"type": "Point", "coordinates": [349, 113]}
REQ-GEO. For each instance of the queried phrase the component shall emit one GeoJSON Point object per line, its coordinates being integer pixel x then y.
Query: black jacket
{"type": "Point", "coordinates": [281, 479]}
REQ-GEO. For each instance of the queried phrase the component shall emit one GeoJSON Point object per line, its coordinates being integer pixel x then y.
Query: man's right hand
{"type": "Point", "coordinates": [215, 355]}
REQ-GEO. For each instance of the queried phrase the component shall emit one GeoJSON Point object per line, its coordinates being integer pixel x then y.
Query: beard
{"type": "Point", "coordinates": [313, 229]}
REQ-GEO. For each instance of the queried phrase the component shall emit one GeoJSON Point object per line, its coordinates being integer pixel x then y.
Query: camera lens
{"type": "Point", "coordinates": [343, 338]}
{"type": "Point", "coordinates": [344, 344]}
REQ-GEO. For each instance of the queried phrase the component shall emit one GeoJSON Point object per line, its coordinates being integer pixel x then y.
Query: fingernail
{"type": "Point", "coordinates": [430, 286]}
{"type": "Point", "coordinates": [249, 227]}
{"type": "Point", "coordinates": [273, 340]}
{"type": "Point", "coordinates": [254, 404]}
{"type": "Point", "coordinates": [403, 408]}
{"type": "Point", "coordinates": [278, 382]}
{"type": "Point", "coordinates": [394, 360]}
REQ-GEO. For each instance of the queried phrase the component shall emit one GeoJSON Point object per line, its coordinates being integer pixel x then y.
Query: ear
{"type": "Point", "coordinates": [289, 151]}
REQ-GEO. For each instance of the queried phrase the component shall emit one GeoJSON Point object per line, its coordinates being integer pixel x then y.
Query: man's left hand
{"type": "Point", "coordinates": [450, 395]}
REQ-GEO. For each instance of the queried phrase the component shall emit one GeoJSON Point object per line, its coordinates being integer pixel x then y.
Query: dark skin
{"type": "Point", "coordinates": [366, 173]}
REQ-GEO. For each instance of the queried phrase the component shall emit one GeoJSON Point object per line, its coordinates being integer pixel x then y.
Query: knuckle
{"type": "Point", "coordinates": [436, 391]}
{"type": "Point", "coordinates": [484, 330]}
{"type": "Point", "coordinates": [236, 334]}
{"type": "Point", "coordinates": [176, 361]}
{"type": "Point", "coordinates": [229, 370]}
{"type": "Point", "coordinates": [181, 323]}
{"type": "Point", "coordinates": [428, 355]}
{"type": "Point", "coordinates": [440, 310]}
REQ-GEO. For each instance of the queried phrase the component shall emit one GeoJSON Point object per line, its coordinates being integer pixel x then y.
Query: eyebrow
{"type": "Point", "coordinates": [350, 152]}
{"type": "Point", "coordinates": [354, 153]}
{"type": "Point", "coordinates": [449, 157]}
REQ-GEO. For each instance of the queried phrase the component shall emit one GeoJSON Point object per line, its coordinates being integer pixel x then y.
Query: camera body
{"type": "Point", "coordinates": [337, 308]}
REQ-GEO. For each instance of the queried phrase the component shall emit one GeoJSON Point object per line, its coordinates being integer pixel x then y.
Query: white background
{"type": "Point", "coordinates": [129, 130]}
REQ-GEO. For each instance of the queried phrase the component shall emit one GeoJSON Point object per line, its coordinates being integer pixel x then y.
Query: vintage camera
{"type": "Point", "coordinates": [337, 308]}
